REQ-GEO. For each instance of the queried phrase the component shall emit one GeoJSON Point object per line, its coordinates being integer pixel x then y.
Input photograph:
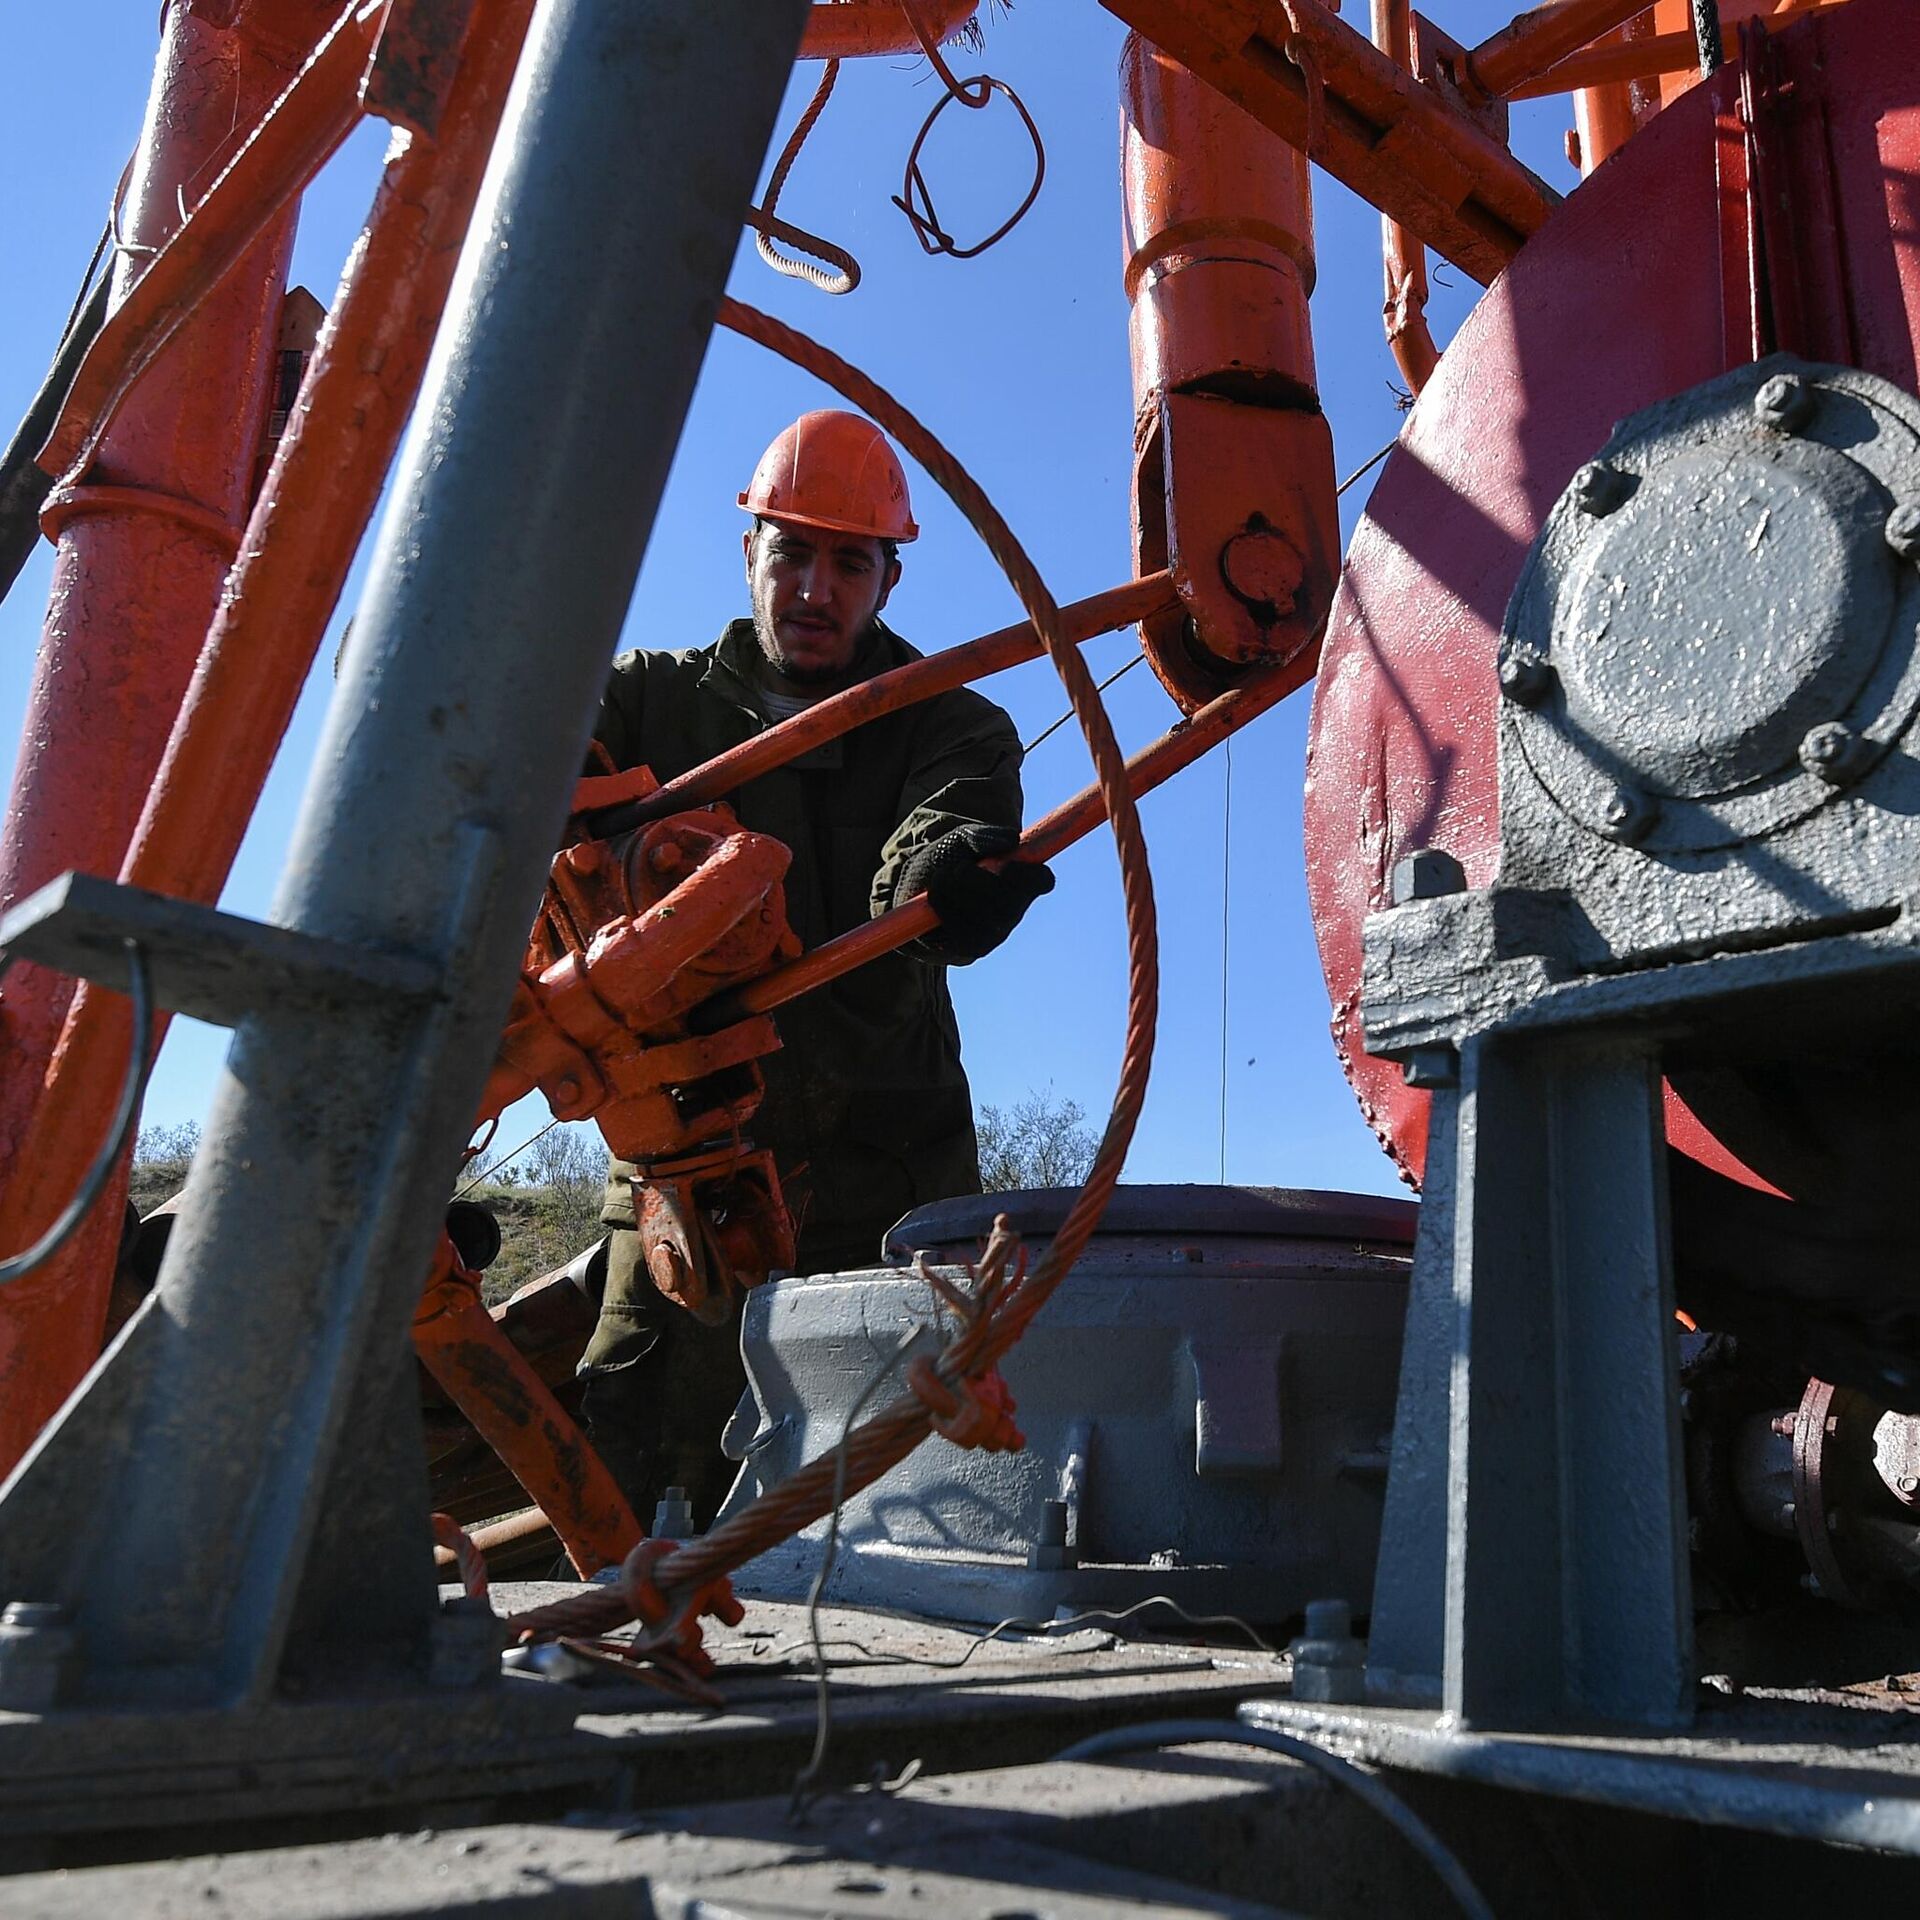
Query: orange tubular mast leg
{"type": "Point", "coordinates": [301, 536]}
{"type": "Point", "coordinates": [1233, 459]}
{"type": "Point", "coordinates": [144, 540]}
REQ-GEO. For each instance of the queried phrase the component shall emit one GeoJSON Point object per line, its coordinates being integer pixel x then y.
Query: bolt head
{"type": "Point", "coordinates": [1428, 873]}
{"type": "Point", "coordinates": [1784, 403]}
{"type": "Point", "coordinates": [1783, 1426]}
{"type": "Point", "coordinates": [1431, 1067]}
{"type": "Point", "coordinates": [1903, 530]}
{"type": "Point", "coordinates": [1598, 489]}
{"type": "Point", "coordinates": [1833, 752]}
{"type": "Point", "coordinates": [1629, 814]}
{"type": "Point", "coordinates": [1908, 1484]}
{"type": "Point", "coordinates": [1526, 677]}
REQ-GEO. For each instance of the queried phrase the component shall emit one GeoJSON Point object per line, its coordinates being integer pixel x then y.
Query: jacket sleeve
{"type": "Point", "coordinates": [966, 772]}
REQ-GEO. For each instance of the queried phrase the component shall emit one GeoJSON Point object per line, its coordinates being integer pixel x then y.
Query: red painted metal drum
{"type": "Point", "coordinates": [1638, 288]}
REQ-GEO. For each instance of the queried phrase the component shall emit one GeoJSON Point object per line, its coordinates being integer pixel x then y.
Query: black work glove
{"type": "Point", "coordinates": [977, 909]}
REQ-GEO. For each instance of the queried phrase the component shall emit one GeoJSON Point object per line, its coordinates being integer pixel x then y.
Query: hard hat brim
{"type": "Point", "coordinates": [910, 531]}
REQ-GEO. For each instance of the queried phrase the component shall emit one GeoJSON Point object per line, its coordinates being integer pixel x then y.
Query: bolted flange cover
{"type": "Point", "coordinates": [1691, 649]}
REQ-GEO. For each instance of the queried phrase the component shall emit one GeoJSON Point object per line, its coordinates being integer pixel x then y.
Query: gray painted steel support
{"type": "Point", "coordinates": [239, 1485]}
{"type": "Point", "coordinates": [1539, 1367]}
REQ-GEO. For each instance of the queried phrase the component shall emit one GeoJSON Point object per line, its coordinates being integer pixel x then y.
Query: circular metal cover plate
{"type": "Point", "coordinates": [1740, 595]}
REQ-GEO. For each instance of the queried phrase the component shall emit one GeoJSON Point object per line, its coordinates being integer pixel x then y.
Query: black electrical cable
{"type": "Point", "coordinates": [1363, 1786]}
{"type": "Point", "coordinates": [139, 1063]}
{"type": "Point", "coordinates": [23, 487]}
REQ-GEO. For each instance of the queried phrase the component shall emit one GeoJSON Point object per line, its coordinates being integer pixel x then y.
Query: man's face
{"type": "Point", "coordinates": [815, 594]}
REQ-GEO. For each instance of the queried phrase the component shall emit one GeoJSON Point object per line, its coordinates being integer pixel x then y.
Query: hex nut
{"type": "Point", "coordinates": [1833, 752]}
{"type": "Point", "coordinates": [1052, 1552]}
{"type": "Point", "coordinates": [1526, 676]}
{"type": "Point", "coordinates": [673, 1516]}
{"type": "Point", "coordinates": [1329, 1664]}
{"type": "Point", "coordinates": [1903, 530]}
{"type": "Point", "coordinates": [1598, 489]}
{"type": "Point", "coordinates": [1428, 873]}
{"type": "Point", "coordinates": [1783, 403]}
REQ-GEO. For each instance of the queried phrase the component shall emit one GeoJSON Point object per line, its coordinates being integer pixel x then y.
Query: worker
{"type": "Point", "coordinates": [867, 1108]}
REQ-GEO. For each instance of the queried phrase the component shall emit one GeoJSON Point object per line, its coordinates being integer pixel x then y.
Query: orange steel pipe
{"type": "Point", "coordinates": [1403, 258]}
{"type": "Point", "coordinates": [887, 692]}
{"type": "Point", "coordinates": [509, 1532]}
{"type": "Point", "coordinates": [1534, 41]}
{"type": "Point", "coordinates": [1049, 836]}
{"type": "Point", "coordinates": [300, 541]}
{"type": "Point", "coordinates": [142, 547]}
{"type": "Point", "coordinates": [1371, 125]}
{"type": "Point", "coordinates": [289, 146]}
{"type": "Point", "coordinates": [1659, 53]}
{"type": "Point", "coordinates": [852, 29]}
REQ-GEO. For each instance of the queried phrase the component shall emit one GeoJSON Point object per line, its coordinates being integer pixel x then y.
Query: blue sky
{"type": "Point", "coordinates": [1019, 361]}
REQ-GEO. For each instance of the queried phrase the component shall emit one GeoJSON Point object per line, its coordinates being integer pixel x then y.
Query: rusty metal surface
{"type": "Point", "coordinates": [484, 1373]}
{"type": "Point", "coordinates": [1401, 753]}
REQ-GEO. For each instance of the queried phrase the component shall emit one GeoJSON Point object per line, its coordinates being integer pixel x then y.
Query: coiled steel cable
{"type": "Point", "coordinates": [893, 1433]}
{"type": "Point", "coordinates": [845, 269]}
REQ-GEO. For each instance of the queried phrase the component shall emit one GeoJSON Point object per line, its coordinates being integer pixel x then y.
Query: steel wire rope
{"type": "Point", "coordinates": [132, 1086]}
{"type": "Point", "coordinates": [927, 229]}
{"type": "Point", "coordinates": [1364, 1786]}
{"type": "Point", "coordinates": [1045, 1629]}
{"type": "Point", "coordinates": [889, 1436]}
{"type": "Point", "coordinates": [506, 1159]}
{"type": "Point", "coordinates": [767, 228]}
{"type": "Point", "coordinates": [1048, 731]}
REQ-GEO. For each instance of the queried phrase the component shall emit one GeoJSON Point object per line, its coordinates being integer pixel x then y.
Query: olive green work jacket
{"type": "Point", "coordinates": [867, 1108]}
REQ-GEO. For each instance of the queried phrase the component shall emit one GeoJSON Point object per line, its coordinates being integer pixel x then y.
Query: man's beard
{"type": "Point", "coordinates": [798, 671]}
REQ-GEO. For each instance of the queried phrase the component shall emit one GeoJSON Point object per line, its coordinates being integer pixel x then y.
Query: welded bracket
{"type": "Point", "coordinates": [209, 965]}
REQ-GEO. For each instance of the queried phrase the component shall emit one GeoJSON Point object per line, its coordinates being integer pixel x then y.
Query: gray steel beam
{"type": "Point", "coordinates": [175, 1505]}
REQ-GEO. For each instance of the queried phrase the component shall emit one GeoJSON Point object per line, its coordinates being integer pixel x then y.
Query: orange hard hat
{"type": "Point", "coordinates": [834, 470]}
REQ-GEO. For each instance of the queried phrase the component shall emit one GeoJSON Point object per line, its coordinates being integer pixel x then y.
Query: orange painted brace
{"type": "Point", "coordinates": [140, 556]}
{"type": "Point", "coordinates": [1645, 59]}
{"type": "Point", "coordinates": [1047, 837]}
{"type": "Point", "coordinates": [300, 541]}
{"type": "Point", "coordinates": [461, 1344]}
{"type": "Point", "coordinates": [1532, 42]}
{"type": "Point", "coordinates": [292, 143]}
{"type": "Point", "coordinates": [1403, 258]}
{"type": "Point", "coordinates": [1324, 89]}
{"type": "Point", "coordinates": [888, 692]}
